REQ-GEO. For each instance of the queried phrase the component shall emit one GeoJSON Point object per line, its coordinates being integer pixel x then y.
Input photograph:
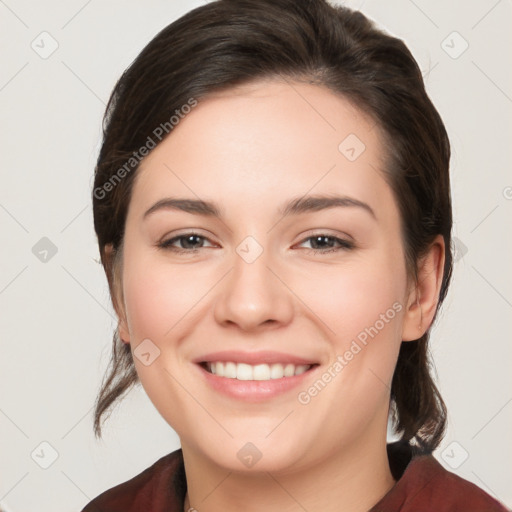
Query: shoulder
{"type": "Point", "coordinates": [450, 490]}
{"type": "Point", "coordinates": [426, 485]}
{"type": "Point", "coordinates": [152, 489]}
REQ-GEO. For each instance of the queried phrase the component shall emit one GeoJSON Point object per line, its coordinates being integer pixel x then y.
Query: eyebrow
{"type": "Point", "coordinates": [295, 206]}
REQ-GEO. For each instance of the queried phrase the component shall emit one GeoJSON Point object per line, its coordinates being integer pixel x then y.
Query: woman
{"type": "Point", "coordinates": [272, 205]}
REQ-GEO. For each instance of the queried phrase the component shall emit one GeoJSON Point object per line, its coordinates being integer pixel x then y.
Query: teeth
{"type": "Point", "coordinates": [242, 371]}
{"type": "Point", "coordinates": [276, 371]}
{"type": "Point", "coordinates": [261, 372]}
{"type": "Point", "coordinates": [289, 370]}
{"type": "Point", "coordinates": [300, 369]}
{"type": "Point", "coordinates": [229, 371]}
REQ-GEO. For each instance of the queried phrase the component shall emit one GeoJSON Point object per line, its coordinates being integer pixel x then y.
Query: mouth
{"type": "Point", "coordinates": [255, 377]}
{"type": "Point", "coordinates": [257, 372]}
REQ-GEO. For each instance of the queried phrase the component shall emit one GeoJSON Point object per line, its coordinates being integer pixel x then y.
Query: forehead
{"type": "Point", "coordinates": [267, 139]}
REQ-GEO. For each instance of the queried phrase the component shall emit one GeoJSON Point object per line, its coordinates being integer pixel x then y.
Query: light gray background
{"type": "Point", "coordinates": [56, 320]}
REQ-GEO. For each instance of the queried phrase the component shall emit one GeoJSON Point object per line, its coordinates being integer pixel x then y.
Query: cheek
{"type": "Point", "coordinates": [158, 296]}
{"type": "Point", "coordinates": [363, 310]}
{"type": "Point", "coordinates": [159, 302]}
{"type": "Point", "coordinates": [351, 299]}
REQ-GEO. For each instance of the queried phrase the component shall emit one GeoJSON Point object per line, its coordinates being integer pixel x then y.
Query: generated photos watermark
{"type": "Point", "coordinates": [157, 136]}
{"type": "Point", "coordinates": [357, 344]}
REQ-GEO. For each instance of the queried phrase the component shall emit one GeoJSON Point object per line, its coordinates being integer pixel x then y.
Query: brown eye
{"type": "Point", "coordinates": [188, 242]}
{"type": "Point", "coordinates": [323, 243]}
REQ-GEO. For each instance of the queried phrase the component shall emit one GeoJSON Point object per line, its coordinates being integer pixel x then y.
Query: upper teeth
{"type": "Point", "coordinates": [242, 371]}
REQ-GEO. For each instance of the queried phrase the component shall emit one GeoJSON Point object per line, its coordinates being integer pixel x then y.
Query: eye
{"type": "Point", "coordinates": [190, 242]}
{"type": "Point", "coordinates": [323, 243]}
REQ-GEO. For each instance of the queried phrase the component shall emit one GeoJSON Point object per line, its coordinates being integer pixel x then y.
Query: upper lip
{"type": "Point", "coordinates": [253, 358]}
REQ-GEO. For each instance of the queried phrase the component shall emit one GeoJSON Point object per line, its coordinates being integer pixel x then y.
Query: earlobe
{"type": "Point", "coordinates": [122, 329]}
{"type": "Point", "coordinates": [124, 332]}
{"type": "Point", "coordinates": [112, 265]}
{"type": "Point", "coordinates": [424, 297]}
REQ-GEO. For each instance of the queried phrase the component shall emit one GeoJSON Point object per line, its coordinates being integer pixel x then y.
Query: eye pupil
{"type": "Point", "coordinates": [320, 238]}
{"type": "Point", "coordinates": [189, 240]}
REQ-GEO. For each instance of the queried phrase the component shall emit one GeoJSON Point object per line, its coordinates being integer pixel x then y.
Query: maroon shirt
{"type": "Point", "coordinates": [423, 485]}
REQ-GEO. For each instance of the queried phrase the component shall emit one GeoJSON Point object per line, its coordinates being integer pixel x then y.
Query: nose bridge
{"type": "Point", "coordinates": [252, 294]}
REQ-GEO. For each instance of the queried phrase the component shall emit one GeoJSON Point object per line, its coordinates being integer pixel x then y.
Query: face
{"type": "Point", "coordinates": [298, 295]}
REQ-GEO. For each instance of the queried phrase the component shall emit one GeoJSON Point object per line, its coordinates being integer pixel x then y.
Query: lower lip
{"type": "Point", "coordinates": [254, 390]}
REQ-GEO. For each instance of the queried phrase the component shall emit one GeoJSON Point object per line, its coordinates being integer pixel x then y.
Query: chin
{"type": "Point", "coordinates": [258, 456]}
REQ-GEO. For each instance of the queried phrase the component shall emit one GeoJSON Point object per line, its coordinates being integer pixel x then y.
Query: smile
{"type": "Point", "coordinates": [255, 376]}
{"type": "Point", "coordinates": [243, 371]}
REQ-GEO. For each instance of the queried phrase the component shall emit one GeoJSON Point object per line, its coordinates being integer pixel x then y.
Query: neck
{"type": "Point", "coordinates": [352, 480]}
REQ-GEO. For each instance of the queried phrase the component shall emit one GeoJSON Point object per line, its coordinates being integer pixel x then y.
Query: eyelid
{"type": "Point", "coordinates": [184, 232]}
{"type": "Point", "coordinates": [343, 240]}
{"type": "Point", "coordinates": [167, 243]}
{"type": "Point", "coordinates": [327, 232]}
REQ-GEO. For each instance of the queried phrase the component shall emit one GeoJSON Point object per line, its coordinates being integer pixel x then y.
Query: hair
{"type": "Point", "coordinates": [227, 43]}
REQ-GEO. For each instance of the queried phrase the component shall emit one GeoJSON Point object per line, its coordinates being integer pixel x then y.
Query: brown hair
{"type": "Point", "coordinates": [231, 42]}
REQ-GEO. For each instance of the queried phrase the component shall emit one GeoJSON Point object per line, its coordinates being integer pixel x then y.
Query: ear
{"type": "Point", "coordinates": [424, 295]}
{"type": "Point", "coordinates": [113, 264]}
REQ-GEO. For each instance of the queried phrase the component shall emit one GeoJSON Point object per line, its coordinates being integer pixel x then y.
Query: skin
{"type": "Point", "coordinates": [250, 150]}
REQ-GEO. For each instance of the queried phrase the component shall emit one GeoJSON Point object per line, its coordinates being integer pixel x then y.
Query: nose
{"type": "Point", "coordinates": [254, 295]}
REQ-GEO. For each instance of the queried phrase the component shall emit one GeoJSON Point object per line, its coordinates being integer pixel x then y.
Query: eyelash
{"type": "Point", "coordinates": [343, 244]}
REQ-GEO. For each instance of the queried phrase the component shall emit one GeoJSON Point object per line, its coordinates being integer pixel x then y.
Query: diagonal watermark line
{"type": "Point", "coordinates": [300, 299]}
{"type": "Point", "coordinates": [77, 486]}
{"type": "Point", "coordinates": [83, 82]}
{"type": "Point", "coordinates": [77, 423]}
{"type": "Point", "coordinates": [385, 383]}
{"type": "Point", "coordinates": [491, 419]}
{"type": "Point", "coordinates": [12, 488]}
{"type": "Point", "coordinates": [76, 14]}
{"type": "Point", "coordinates": [306, 193]}
{"type": "Point", "coordinates": [493, 287]}
{"type": "Point", "coordinates": [13, 13]}
{"type": "Point", "coordinates": [74, 218]}
{"type": "Point", "coordinates": [215, 488]}
{"type": "Point", "coordinates": [424, 13]}
{"type": "Point", "coordinates": [198, 301]}
{"type": "Point", "coordinates": [487, 487]}
{"type": "Point", "coordinates": [492, 211]}
{"type": "Point", "coordinates": [13, 279]}
{"type": "Point", "coordinates": [280, 423]}
{"type": "Point", "coordinates": [16, 425]}
{"type": "Point", "coordinates": [486, 14]}
{"type": "Point", "coordinates": [410, 498]}
{"type": "Point", "coordinates": [198, 403]}
{"type": "Point", "coordinates": [167, 167]}
{"type": "Point", "coordinates": [88, 293]}
{"type": "Point", "coordinates": [287, 492]}
{"type": "Point", "coordinates": [14, 218]}
{"type": "Point", "coordinates": [14, 76]}
{"type": "Point", "coordinates": [304, 98]}
{"type": "Point", "coordinates": [491, 80]}
{"type": "Point", "coordinates": [426, 74]}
